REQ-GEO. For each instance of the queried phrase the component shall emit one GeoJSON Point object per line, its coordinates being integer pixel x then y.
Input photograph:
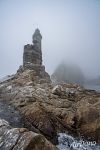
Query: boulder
{"type": "Point", "coordinates": [21, 139]}
{"type": "Point", "coordinates": [88, 117]}
{"type": "Point", "coordinates": [57, 90]}
{"type": "Point", "coordinates": [49, 109]}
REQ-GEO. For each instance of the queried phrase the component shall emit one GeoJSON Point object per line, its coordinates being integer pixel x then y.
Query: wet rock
{"type": "Point", "coordinates": [3, 123]}
{"type": "Point", "coordinates": [32, 57]}
{"type": "Point", "coordinates": [50, 109]}
{"type": "Point", "coordinates": [63, 92]}
{"type": "Point", "coordinates": [39, 118]}
{"type": "Point", "coordinates": [21, 138]}
{"type": "Point", "coordinates": [88, 117]}
{"type": "Point", "coordinates": [47, 108]}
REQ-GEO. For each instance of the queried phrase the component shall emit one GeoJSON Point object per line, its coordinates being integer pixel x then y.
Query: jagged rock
{"type": "Point", "coordinates": [33, 53]}
{"type": "Point", "coordinates": [64, 92]}
{"type": "Point", "coordinates": [57, 90]}
{"type": "Point", "coordinates": [50, 113]}
{"type": "Point", "coordinates": [32, 57]}
{"type": "Point", "coordinates": [49, 109]}
{"type": "Point", "coordinates": [88, 117]}
{"type": "Point", "coordinates": [21, 139]}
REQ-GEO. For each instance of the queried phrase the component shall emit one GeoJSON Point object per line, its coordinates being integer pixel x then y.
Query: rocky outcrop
{"type": "Point", "coordinates": [32, 57]}
{"type": "Point", "coordinates": [49, 109]}
{"type": "Point", "coordinates": [68, 72]}
{"type": "Point", "coordinates": [32, 53]}
{"type": "Point", "coordinates": [21, 139]}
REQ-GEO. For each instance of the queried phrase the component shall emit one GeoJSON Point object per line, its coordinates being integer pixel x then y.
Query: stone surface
{"type": "Point", "coordinates": [32, 57]}
{"type": "Point", "coordinates": [49, 109]}
{"type": "Point", "coordinates": [21, 139]}
{"type": "Point", "coordinates": [33, 53]}
{"type": "Point", "coordinates": [57, 90]}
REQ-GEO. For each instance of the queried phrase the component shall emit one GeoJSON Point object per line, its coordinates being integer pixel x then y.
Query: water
{"type": "Point", "coordinates": [92, 87]}
{"type": "Point", "coordinates": [67, 142]}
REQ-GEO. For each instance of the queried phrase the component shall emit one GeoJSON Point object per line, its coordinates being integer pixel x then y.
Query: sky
{"type": "Point", "coordinates": [70, 31]}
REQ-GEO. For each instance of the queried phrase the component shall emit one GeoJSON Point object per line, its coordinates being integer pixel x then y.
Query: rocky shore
{"type": "Point", "coordinates": [48, 109]}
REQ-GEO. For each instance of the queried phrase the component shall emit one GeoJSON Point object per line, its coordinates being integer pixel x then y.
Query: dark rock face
{"type": "Point", "coordinates": [32, 57]}
{"type": "Point", "coordinates": [10, 114]}
{"type": "Point", "coordinates": [52, 109]}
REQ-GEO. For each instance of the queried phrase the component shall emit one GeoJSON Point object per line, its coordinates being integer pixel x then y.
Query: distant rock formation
{"type": "Point", "coordinates": [68, 73]}
{"type": "Point", "coordinates": [32, 56]}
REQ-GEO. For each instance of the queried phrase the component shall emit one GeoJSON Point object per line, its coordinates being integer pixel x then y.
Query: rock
{"type": "Point", "coordinates": [57, 90]}
{"type": "Point", "coordinates": [68, 73]}
{"type": "Point", "coordinates": [38, 117]}
{"type": "Point", "coordinates": [88, 117]}
{"type": "Point", "coordinates": [33, 53]}
{"type": "Point", "coordinates": [49, 109]}
{"type": "Point", "coordinates": [21, 139]}
{"type": "Point", "coordinates": [3, 123]}
{"type": "Point", "coordinates": [32, 57]}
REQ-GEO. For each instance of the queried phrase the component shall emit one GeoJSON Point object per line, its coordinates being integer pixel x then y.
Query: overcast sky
{"type": "Point", "coordinates": [70, 30]}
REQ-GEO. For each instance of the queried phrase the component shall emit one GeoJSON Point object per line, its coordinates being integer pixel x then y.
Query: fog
{"type": "Point", "coordinates": [70, 30]}
{"type": "Point", "coordinates": [68, 73]}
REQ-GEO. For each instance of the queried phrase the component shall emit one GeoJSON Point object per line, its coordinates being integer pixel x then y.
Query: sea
{"type": "Point", "coordinates": [67, 142]}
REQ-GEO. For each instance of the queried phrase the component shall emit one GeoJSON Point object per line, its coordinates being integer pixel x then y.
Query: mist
{"type": "Point", "coordinates": [70, 30]}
